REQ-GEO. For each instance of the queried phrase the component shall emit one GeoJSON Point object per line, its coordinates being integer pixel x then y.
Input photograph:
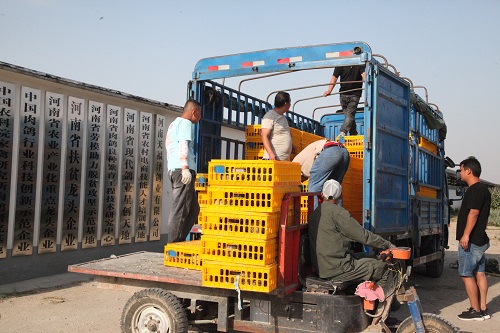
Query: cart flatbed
{"type": "Point", "coordinates": [145, 266]}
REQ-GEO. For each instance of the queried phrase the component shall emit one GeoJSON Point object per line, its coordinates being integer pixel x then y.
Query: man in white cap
{"type": "Point", "coordinates": [331, 231]}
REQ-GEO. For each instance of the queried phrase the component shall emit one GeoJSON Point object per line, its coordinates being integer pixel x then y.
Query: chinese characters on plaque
{"type": "Point", "coordinates": [86, 173]}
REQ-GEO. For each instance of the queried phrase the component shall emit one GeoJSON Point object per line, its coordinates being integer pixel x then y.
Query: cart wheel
{"type": "Point", "coordinates": [153, 310]}
{"type": "Point", "coordinates": [432, 323]}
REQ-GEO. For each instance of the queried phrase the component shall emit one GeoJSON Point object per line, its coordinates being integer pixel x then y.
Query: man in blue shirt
{"type": "Point", "coordinates": [181, 166]}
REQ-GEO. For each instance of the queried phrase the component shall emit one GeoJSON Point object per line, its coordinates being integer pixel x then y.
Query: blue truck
{"type": "Point", "coordinates": [405, 193]}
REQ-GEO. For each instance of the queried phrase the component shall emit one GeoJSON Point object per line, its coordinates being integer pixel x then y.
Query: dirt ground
{"type": "Point", "coordinates": [90, 307]}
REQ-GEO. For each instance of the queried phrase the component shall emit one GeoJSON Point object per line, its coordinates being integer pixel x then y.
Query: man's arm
{"type": "Point", "coordinates": [350, 228]}
{"type": "Point", "coordinates": [333, 81]}
{"type": "Point", "coordinates": [266, 134]}
{"type": "Point", "coordinates": [363, 76]}
{"type": "Point", "coordinates": [471, 222]}
{"type": "Point", "coordinates": [183, 156]}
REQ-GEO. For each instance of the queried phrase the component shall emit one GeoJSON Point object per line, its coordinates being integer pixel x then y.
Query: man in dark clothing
{"type": "Point", "coordinates": [471, 233]}
{"type": "Point", "coordinates": [331, 231]}
{"type": "Point", "coordinates": [350, 93]}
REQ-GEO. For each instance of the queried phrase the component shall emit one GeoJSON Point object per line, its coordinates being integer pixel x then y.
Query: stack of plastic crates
{"type": "Point", "coordinates": [352, 185]}
{"type": "Point", "coordinates": [240, 225]}
{"type": "Point", "coordinates": [352, 189]}
{"type": "Point", "coordinates": [254, 148]}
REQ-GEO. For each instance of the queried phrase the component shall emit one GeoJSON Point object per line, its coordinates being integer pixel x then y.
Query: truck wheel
{"type": "Point", "coordinates": [432, 323]}
{"type": "Point", "coordinates": [435, 268]}
{"type": "Point", "coordinates": [153, 310]}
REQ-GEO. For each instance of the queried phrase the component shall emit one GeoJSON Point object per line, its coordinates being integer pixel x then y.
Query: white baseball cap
{"type": "Point", "coordinates": [332, 189]}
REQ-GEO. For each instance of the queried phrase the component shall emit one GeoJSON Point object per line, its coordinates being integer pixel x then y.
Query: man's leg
{"type": "Point", "coordinates": [192, 208]}
{"type": "Point", "coordinates": [349, 105]}
{"type": "Point", "coordinates": [482, 284]}
{"type": "Point", "coordinates": [179, 208]}
{"type": "Point", "coordinates": [467, 264]}
{"type": "Point", "coordinates": [479, 273]}
{"type": "Point", "coordinates": [366, 269]}
{"type": "Point", "coordinates": [472, 291]}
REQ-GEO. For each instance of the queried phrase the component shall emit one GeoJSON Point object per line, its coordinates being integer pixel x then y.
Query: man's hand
{"type": "Point", "coordinates": [186, 176]}
{"type": "Point", "coordinates": [464, 242]}
{"type": "Point", "coordinates": [326, 93]}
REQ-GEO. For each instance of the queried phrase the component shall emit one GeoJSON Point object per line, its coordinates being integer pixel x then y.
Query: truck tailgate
{"type": "Point", "coordinates": [146, 266]}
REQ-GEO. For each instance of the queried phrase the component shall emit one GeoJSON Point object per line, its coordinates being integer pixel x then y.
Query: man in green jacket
{"type": "Point", "coordinates": [331, 231]}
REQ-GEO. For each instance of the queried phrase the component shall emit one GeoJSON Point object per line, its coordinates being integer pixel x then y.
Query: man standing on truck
{"type": "Point", "coordinates": [331, 230]}
{"type": "Point", "coordinates": [320, 161]}
{"type": "Point", "coordinates": [276, 135]}
{"type": "Point", "coordinates": [471, 232]}
{"type": "Point", "coordinates": [351, 78]}
{"type": "Point", "coordinates": [181, 166]}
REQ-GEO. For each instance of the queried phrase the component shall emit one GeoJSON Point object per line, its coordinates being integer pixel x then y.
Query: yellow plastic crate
{"type": "Point", "coordinates": [308, 138]}
{"type": "Point", "coordinates": [426, 144]}
{"type": "Point", "coordinates": [254, 156]}
{"type": "Point", "coordinates": [296, 138]}
{"type": "Point", "coordinates": [427, 192]}
{"type": "Point", "coordinates": [254, 146]}
{"type": "Point", "coordinates": [253, 173]}
{"type": "Point", "coordinates": [356, 154]}
{"type": "Point", "coordinates": [248, 277]}
{"type": "Point", "coordinates": [352, 189]}
{"type": "Point", "coordinates": [354, 142]}
{"type": "Point", "coordinates": [183, 255]}
{"type": "Point", "coordinates": [201, 182]}
{"type": "Point", "coordinates": [302, 218]}
{"type": "Point", "coordinates": [252, 199]}
{"type": "Point", "coordinates": [243, 224]}
{"type": "Point", "coordinates": [253, 132]}
{"type": "Point", "coordinates": [239, 250]}
{"type": "Point", "coordinates": [203, 199]}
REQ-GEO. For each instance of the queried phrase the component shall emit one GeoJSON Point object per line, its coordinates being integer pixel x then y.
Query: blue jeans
{"type": "Point", "coordinates": [349, 105]}
{"type": "Point", "coordinates": [472, 260]}
{"type": "Point", "coordinates": [331, 163]}
{"type": "Point", "coordinates": [185, 207]}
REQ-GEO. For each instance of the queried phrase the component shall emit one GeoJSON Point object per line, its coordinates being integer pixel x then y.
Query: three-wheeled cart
{"type": "Point", "coordinates": [174, 298]}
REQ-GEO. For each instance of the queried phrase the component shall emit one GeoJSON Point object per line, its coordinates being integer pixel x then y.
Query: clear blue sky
{"type": "Point", "coordinates": [149, 48]}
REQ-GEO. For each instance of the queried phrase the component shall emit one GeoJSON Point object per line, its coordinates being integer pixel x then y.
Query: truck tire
{"type": "Point", "coordinates": [153, 310]}
{"type": "Point", "coordinates": [432, 323]}
{"type": "Point", "coordinates": [435, 268]}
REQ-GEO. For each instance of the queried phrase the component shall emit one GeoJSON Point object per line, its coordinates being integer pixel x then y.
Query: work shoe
{"type": "Point", "coordinates": [340, 138]}
{"type": "Point", "coordinates": [468, 310]}
{"type": "Point", "coordinates": [471, 314]}
{"type": "Point", "coordinates": [485, 314]}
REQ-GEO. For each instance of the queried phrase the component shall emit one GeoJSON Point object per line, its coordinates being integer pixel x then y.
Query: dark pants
{"type": "Point", "coordinates": [349, 105]}
{"type": "Point", "coordinates": [366, 269]}
{"type": "Point", "coordinates": [185, 207]}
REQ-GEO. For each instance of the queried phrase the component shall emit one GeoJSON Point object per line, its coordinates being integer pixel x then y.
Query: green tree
{"type": "Point", "coordinates": [495, 198]}
{"type": "Point", "coordinates": [495, 207]}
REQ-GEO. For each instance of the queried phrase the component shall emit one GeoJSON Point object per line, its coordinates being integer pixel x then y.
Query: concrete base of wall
{"type": "Point", "coordinates": [20, 268]}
